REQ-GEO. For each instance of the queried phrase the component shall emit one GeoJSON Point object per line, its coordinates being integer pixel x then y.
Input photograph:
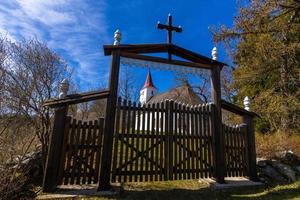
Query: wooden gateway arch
{"type": "Point", "coordinates": [194, 143]}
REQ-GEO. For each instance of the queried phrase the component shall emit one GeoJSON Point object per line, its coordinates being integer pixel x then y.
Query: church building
{"type": "Point", "coordinates": [183, 94]}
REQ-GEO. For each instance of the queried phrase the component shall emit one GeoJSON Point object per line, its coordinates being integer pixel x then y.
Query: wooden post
{"type": "Point", "coordinates": [104, 183]}
{"type": "Point", "coordinates": [250, 137]}
{"type": "Point", "coordinates": [218, 136]}
{"type": "Point", "coordinates": [50, 179]}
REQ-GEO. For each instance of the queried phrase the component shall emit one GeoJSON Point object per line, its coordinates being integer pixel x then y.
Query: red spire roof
{"type": "Point", "coordinates": [149, 82]}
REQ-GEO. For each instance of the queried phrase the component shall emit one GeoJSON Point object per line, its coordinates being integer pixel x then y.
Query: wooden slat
{"type": "Point", "coordinates": [137, 166]}
{"type": "Point", "coordinates": [93, 159]}
{"type": "Point", "coordinates": [157, 141]}
{"type": "Point", "coordinates": [143, 140]}
{"type": "Point", "coordinates": [197, 143]}
{"type": "Point", "coordinates": [174, 142]}
{"type": "Point", "coordinates": [152, 140]}
{"type": "Point", "coordinates": [147, 152]}
{"type": "Point", "coordinates": [126, 133]}
{"type": "Point", "coordinates": [88, 154]}
{"type": "Point", "coordinates": [70, 152]}
{"type": "Point", "coordinates": [193, 141]}
{"type": "Point", "coordinates": [121, 142]}
{"type": "Point", "coordinates": [180, 133]}
{"type": "Point", "coordinates": [162, 138]}
{"type": "Point", "coordinates": [116, 141]}
{"type": "Point", "coordinates": [132, 140]}
{"type": "Point", "coordinates": [100, 122]}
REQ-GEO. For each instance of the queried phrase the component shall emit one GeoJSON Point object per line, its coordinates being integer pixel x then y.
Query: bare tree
{"type": "Point", "coordinates": [29, 77]}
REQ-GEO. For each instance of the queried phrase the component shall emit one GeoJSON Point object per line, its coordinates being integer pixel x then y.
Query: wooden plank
{"type": "Point", "coordinates": [247, 119]}
{"type": "Point", "coordinates": [63, 158]}
{"type": "Point", "coordinates": [50, 179]}
{"type": "Point", "coordinates": [201, 134]}
{"type": "Point", "coordinates": [197, 160]}
{"type": "Point", "coordinates": [132, 142]}
{"type": "Point", "coordinates": [121, 159]}
{"type": "Point", "coordinates": [188, 137]}
{"type": "Point", "coordinates": [106, 156]}
{"type": "Point", "coordinates": [81, 174]}
{"type": "Point", "coordinates": [174, 142]}
{"type": "Point", "coordinates": [147, 152]}
{"type": "Point", "coordinates": [88, 153]}
{"type": "Point", "coordinates": [78, 152]}
{"type": "Point", "coordinates": [184, 142]}
{"type": "Point", "coordinates": [180, 133]}
{"type": "Point", "coordinates": [100, 146]}
{"type": "Point", "coordinates": [152, 126]}
{"type": "Point", "coordinates": [167, 142]}
{"type": "Point", "coordinates": [93, 153]}
{"type": "Point", "coordinates": [170, 138]}
{"type": "Point", "coordinates": [157, 141]}
{"type": "Point", "coordinates": [162, 139]}
{"type": "Point", "coordinates": [211, 125]}
{"type": "Point", "coordinates": [126, 133]}
{"type": "Point", "coordinates": [70, 152]}
{"type": "Point", "coordinates": [116, 141]}
{"type": "Point", "coordinates": [166, 61]}
{"type": "Point", "coordinates": [192, 123]}
{"type": "Point", "coordinates": [137, 166]}
{"type": "Point", "coordinates": [77, 98]}
{"type": "Point", "coordinates": [143, 140]}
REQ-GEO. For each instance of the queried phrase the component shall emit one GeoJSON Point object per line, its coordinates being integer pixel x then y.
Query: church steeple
{"type": "Point", "coordinates": [149, 82]}
{"type": "Point", "coordinates": [148, 91]}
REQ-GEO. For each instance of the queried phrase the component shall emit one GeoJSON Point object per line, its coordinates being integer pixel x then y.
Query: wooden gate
{"type": "Point", "coordinates": [236, 150]}
{"type": "Point", "coordinates": [163, 141]}
{"type": "Point", "coordinates": [82, 151]}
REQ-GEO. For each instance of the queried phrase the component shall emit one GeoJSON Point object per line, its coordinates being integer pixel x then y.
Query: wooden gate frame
{"type": "Point", "coordinates": [195, 60]}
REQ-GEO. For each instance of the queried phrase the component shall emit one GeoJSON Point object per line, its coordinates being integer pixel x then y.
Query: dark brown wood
{"type": "Point", "coordinates": [160, 48]}
{"type": "Point", "coordinates": [50, 179]}
{"type": "Point", "coordinates": [77, 98]}
{"type": "Point", "coordinates": [251, 147]}
{"type": "Point", "coordinates": [70, 152]}
{"type": "Point", "coordinates": [236, 109]}
{"type": "Point", "coordinates": [166, 61]}
{"type": "Point", "coordinates": [158, 142]}
{"type": "Point", "coordinates": [126, 133]}
{"type": "Point", "coordinates": [63, 158]}
{"type": "Point", "coordinates": [104, 183]}
{"type": "Point", "coordinates": [93, 153]}
{"type": "Point", "coordinates": [167, 142]}
{"type": "Point", "coordinates": [147, 152]}
{"type": "Point", "coordinates": [100, 138]}
{"type": "Point", "coordinates": [143, 139]}
{"type": "Point", "coordinates": [180, 142]}
{"type": "Point", "coordinates": [87, 168]}
{"type": "Point", "coordinates": [218, 136]}
{"type": "Point", "coordinates": [170, 137]}
{"type": "Point", "coordinates": [174, 142]}
{"type": "Point", "coordinates": [116, 142]}
{"type": "Point", "coordinates": [132, 133]}
{"type": "Point", "coordinates": [152, 140]}
{"type": "Point", "coordinates": [162, 143]}
{"type": "Point", "coordinates": [137, 166]}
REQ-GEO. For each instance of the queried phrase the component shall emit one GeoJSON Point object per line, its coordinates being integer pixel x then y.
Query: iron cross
{"type": "Point", "coordinates": [169, 28]}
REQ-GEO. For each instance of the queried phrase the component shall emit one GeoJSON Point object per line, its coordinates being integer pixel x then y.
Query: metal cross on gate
{"type": "Point", "coordinates": [168, 27]}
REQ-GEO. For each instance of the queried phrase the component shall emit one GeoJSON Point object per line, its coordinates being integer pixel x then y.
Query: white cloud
{"type": "Point", "coordinates": [73, 27]}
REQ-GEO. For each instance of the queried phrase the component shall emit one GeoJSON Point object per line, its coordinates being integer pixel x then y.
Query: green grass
{"type": "Point", "coordinates": [189, 190]}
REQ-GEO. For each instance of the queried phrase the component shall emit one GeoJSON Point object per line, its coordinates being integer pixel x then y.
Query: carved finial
{"type": "Point", "coordinates": [214, 53]}
{"type": "Point", "coordinates": [247, 103]}
{"type": "Point", "coordinates": [63, 88]}
{"type": "Point", "coordinates": [117, 37]}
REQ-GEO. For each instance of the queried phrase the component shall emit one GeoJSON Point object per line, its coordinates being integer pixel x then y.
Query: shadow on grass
{"type": "Point", "coordinates": [208, 194]}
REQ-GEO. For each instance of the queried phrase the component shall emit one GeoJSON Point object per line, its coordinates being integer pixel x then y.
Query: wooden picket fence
{"type": "Point", "coordinates": [163, 141]}
{"type": "Point", "coordinates": [152, 142]}
{"type": "Point", "coordinates": [82, 151]}
{"type": "Point", "coordinates": [235, 150]}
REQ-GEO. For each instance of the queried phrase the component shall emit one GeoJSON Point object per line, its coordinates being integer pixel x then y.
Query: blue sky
{"type": "Point", "coordinates": [77, 29]}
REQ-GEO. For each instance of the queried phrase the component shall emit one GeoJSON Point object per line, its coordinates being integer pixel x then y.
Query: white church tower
{"type": "Point", "coordinates": [148, 91]}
